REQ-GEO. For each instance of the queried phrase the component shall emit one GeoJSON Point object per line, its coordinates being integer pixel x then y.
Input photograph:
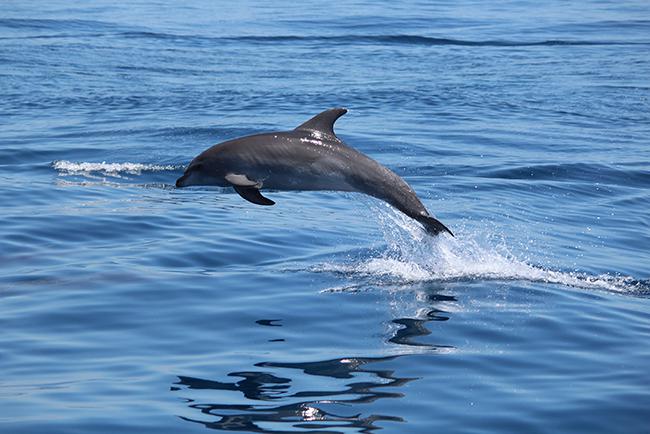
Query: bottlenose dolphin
{"type": "Point", "coordinates": [309, 157]}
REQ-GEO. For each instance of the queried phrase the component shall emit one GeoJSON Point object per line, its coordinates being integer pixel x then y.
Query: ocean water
{"type": "Point", "coordinates": [127, 305]}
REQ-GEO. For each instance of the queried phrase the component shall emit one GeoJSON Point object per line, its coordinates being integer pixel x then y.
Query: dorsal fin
{"type": "Point", "coordinates": [324, 122]}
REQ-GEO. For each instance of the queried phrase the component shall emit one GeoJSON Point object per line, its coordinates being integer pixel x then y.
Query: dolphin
{"type": "Point", "coordinates": [310, 157]}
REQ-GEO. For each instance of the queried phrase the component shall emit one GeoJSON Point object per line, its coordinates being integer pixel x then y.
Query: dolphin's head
{"type": "Point", "coordinates": [200, 171]}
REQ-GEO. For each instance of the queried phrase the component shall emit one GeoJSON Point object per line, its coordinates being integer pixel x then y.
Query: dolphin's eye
{"type": "Point", "coordinates": [197, 166]}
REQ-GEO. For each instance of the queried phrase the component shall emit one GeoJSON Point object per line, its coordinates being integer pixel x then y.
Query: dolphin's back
{"type": "Point", "coordinates": [308, 162]}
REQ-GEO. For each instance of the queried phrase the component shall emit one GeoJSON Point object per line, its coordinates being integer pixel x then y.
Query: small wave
{"type": "Point", "coordinates": [60, 25]}
{"type": "Point", "coordinates": [592, 172]}
{"type": "Point", "coordinates": [109, 30]}
{"type": "Point", "coordinates": [424, 40]}
{"type": "Point", "coordinates": [394, 39]}
{"type": "Point", "coordinates": [110, 169]}
{"type": "Point", "coordinates": [412, 256]}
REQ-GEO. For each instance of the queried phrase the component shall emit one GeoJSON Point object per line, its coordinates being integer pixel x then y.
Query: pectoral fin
{"type": "Point", "coordinates": [252, 194]}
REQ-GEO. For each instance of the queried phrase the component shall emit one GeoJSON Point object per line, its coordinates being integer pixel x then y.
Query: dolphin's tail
{"type": "Point", "coordinates": [432, 225]}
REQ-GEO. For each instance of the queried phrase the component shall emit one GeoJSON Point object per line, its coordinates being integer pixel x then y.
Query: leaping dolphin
{"type": "Point", "coordinates": [310, 157]}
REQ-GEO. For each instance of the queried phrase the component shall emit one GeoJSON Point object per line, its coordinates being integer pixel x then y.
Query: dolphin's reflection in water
{"type": "Point", "coordinates": [309, 410]}
{"type": "Point", "coordinates": [347, 386]}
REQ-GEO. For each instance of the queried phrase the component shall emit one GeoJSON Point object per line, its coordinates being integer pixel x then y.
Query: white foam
{"type": "Point", "coordinates": [109, 169]}
{"type": "Point", "coordinates": [413, 256]}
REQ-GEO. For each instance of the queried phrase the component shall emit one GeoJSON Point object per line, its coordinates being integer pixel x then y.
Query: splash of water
{"type": "Point", "coordinates": [116, 170]}
{"type": "Point", "coordinates": [411, 255]}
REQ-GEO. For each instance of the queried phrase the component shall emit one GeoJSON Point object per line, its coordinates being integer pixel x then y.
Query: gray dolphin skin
{"type": "Point", "coordinates": [310, 157]}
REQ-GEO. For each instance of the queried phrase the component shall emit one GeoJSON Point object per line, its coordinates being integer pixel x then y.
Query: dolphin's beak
{"type": "Point", "coordinates": [180, 182]}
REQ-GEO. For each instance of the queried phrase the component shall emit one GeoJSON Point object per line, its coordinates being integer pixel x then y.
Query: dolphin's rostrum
{"type": "Point", "coordinates": [310, 157]}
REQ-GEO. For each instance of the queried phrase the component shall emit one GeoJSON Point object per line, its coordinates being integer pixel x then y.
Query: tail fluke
{"type": "Point", "coordinates": [433, 226]}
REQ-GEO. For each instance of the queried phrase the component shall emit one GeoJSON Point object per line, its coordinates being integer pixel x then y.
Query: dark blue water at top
{"type": "Point", "coordinates": [127, 305]}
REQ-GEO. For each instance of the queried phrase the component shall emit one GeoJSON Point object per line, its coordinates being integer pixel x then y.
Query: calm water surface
{"type": "Point", "coordinates": [127, 305]}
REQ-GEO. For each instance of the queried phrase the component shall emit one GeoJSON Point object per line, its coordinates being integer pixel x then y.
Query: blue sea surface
{"type": "Point", "coordinates": [128, 305]}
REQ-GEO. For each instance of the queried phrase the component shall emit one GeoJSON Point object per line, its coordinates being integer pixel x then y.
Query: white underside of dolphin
{"type": "Point", "coordinates": [311, 157]}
